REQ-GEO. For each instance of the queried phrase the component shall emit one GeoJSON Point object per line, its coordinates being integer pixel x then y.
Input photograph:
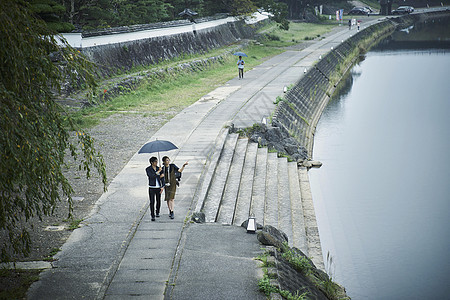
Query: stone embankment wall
{"type": "Point", "coordinates": [302, 106]}
{"type": "Point", "coordinates": [140, 27]}
{"type": "Point", "coordinates": [123, 56]}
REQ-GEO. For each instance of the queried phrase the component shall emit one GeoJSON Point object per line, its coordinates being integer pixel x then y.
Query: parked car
{"type": "Point", "coordinates": [403, 10]}
{"type": "Point", "coordinates": [357, 10]}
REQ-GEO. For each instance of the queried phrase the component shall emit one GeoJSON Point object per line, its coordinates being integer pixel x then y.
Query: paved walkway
{"type": "Point", "coordinates": [118, 253]}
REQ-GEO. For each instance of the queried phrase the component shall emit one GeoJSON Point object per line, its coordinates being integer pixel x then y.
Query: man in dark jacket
{"type": "Point", "coordinates": [155, 186]}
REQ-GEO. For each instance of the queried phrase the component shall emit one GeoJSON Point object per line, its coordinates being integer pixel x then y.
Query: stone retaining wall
{"type": "Point", "coordinates": [139, 27]}
{"type": "Point", "coordinates": [124, 56]}
{"type": "Point", "coordinates": [302, 106]}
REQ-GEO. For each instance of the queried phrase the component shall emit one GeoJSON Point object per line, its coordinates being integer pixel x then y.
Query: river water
{"type": "Point", "coordinates": [382, 196]}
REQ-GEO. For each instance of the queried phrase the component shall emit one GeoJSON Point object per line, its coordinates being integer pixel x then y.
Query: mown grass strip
{"type": "Point", "coordinates": [297, 33]}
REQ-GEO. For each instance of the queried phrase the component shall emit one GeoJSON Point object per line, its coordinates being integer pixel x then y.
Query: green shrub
{"type": "Point", "coordinates": [299, 262]}
{"type": "Point", "coordinates": [265, 286]}
{"type": "Point", "coordinates": [272, 37]}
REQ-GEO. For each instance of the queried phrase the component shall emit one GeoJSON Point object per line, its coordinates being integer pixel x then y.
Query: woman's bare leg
{"type": "Point", "coordinates": [170, 204]}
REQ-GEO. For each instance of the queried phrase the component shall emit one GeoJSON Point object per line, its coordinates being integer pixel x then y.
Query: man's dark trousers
{"type": "Point", "coordinates": [154, 193]}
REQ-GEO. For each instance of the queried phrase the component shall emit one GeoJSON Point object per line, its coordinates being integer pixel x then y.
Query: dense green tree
{"type": "Point", "coordinates": [279, 11]}
{"type": "Point", "coordinates": [52, 13]}
{"type": "Point", "coordinates": [89, 14]}
{"type": "Point", "coordinates": [239, 7]}
{"type": "Point", "coordinates": [141, 12]}
{"type": "Point", "coordinates": [35, 134]}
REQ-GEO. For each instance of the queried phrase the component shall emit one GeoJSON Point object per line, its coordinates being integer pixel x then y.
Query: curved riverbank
{"type": "Point", "coordinates": [372, 197]}
{"type": "Point", "coordinates": [300, 110]}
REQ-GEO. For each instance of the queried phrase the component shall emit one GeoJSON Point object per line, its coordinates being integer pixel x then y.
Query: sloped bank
{"type": "Point", "coordinates": [110, 89]}
{"type": "Point", "coordinates": [299, 112]}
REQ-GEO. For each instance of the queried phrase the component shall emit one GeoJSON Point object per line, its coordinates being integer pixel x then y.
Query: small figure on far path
{"type": "Point", "coordinates": [170, 172]}
{"type": "Point", "coordinates": [359, 23]}
{"type": "Point", "coordinates": [349, 24]}
{"type": "Point", "coordinates": [240, 64]}
{"type": "Point", "coordinates": [155, 186]}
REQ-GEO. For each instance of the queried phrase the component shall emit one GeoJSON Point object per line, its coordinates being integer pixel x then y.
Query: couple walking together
{"type": "Point", "coordinates": [162, 179]}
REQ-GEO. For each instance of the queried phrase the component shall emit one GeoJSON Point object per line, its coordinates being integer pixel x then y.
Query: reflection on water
{"type": "Point", "coordinates": [382, 196]}
{"type": "Point", "coordinates": [430, 34]}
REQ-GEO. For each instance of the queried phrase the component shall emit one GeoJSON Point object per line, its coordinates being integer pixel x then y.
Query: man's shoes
{"type": "Point", "coordinates": [157, 215]}
{"type": "Point", "coordinates": [171, 215]}
{"type": "Point", "coordinates": [153, 219]}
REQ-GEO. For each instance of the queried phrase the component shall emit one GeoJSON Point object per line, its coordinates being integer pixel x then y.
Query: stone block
{"type": "Point", "coordinates": [271, 236]}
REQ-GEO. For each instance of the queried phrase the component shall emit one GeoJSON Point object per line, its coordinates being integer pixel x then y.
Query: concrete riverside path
{"type": "Point", "coordinates": [119, 253]}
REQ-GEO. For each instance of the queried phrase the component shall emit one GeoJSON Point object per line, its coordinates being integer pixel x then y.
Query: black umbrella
{"type": "Point", "coordinates": [157, 146]}
{"type": "Point", "coordinates": [187, 13]}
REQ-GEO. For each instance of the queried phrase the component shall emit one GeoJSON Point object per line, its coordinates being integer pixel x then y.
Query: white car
{"type": "Point", "coordinates": [402, 10]}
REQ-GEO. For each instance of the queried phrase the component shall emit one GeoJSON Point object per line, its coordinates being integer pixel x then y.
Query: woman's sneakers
{"type": "Point", "coordinates": [171, 215]}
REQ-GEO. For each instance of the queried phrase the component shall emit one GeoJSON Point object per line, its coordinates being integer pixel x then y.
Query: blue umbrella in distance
{"type": "Point", "coordinates": [240, 54]}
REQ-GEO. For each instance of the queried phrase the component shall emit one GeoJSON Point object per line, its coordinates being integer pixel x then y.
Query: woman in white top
{"type": "Point", "coordinates": [240, 64]}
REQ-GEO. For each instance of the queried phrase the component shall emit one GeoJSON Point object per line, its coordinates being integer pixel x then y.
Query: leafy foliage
{"type": "Point", "coordinates": [35, 131]}
{"type": "Point", "coordinates": [65, 15]}
{"type": "Point", "coordinates": [141, 11]}
{"type": "Point", "coordinates": [265, 286]}
{"type": "Point", "coordinates": [279, 11]}
{"type": "Point", "coordinates": [52, 13]}
{"type": "Point", "coordinates": [299, 262]}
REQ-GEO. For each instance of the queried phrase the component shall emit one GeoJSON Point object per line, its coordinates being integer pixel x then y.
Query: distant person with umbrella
{"type": "Point", "coordinates": [155, 186]}
{"type": "Point", "coordinates": [189, 15]}
{"type": "Point", "coordinates": [170, 172]}
{"type": "Point", "coordinates": [240, 63]}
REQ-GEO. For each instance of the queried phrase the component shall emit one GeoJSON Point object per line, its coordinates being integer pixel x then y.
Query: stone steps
{"type": "Point", "coordinates": [312, 231]}
{"type": "Point", "coordinates": [245, 180]}
{"type": "Point", "coordinates": [298, 220]}
{"type": "Point", "coordinates": [215, 192]}
{"type": "Point", "coordinates": [244, 200]}
{"type": "Point", "coordinates": [229, 198]}
{"type": "Point", "coordinates": [271, 200]}
{"type": "Point", "coordinates": [284, 199]}
{"type": "Point", "coordinates": [259, 186]}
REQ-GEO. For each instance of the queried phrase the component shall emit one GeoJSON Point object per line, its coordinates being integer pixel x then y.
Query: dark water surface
{"type": "Point", "coordinates": [382, 196]}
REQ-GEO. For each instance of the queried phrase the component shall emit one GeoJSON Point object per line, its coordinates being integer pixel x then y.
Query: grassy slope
{"type": "Point", "coordinates": [178, 91]}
